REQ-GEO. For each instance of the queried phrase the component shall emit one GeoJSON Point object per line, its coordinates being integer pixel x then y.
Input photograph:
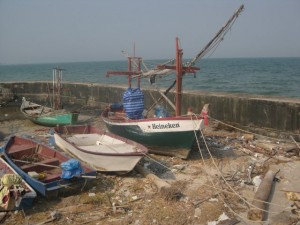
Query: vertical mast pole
{"type": "Point", "coordinates": [59, 88]}
{"type": "Point", "coordinates": [53, 87]}
{"type": "Point", "coordinates": [178, 78]}
{"type": "Point", "coordinates": [139, 70]}
{"type": "Point", "coordinates": [129, 69]}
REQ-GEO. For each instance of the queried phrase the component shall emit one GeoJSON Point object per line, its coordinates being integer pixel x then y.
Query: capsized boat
{"type": "Point", "coordinates": [100, 149]}
{"type": "Point", "coordinates": [15, 192]}
{"type": "Point", "coordinates": [50, 116]}
{"type": "Point", "coordinates": [42, 166]}
{"type": "Point", "coordinates": [163, 133]}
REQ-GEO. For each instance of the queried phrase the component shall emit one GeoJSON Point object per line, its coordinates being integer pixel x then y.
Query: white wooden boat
{"type": "Point", "coordinates": [100, 149]}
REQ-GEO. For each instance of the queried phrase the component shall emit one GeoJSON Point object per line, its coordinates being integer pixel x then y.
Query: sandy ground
{"type": "Point", "coordinates": [215, 185]}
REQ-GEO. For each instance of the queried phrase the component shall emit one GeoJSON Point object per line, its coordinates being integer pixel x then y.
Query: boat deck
{"type": "Point", "coordinates": [31, 157]}
{"type": "Point", "coordinates": [101, 143]}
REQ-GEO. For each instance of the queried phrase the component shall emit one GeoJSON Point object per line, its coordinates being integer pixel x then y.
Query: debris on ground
{"type": "Point", "coordinates": [217, 184]}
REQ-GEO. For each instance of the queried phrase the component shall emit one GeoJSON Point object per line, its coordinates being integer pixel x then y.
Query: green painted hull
{"type": "Point", "coordinates": [184, 139]}
{"type": "Point", "coordinates": [162, 135]}
{"type": "Point", "coordinates": [56, 119]}
{"type": "Point", "coordinates": [168, 138]}
{"type": "Point", "coordinates": [47, 116]}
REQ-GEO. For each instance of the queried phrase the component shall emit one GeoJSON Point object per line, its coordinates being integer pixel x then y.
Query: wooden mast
{"type": "Point", "coordinates": [180, 71]}
{"type": "Point", "coordinates": [134, 69]}
{"type": "Point", "coordinates": [178, 67]}
{"type": "Point", "coordinates": [179, 54]}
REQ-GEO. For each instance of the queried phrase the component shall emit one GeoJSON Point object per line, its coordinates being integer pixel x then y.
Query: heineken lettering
{"type": "Point", "coordinates": [165, 126]}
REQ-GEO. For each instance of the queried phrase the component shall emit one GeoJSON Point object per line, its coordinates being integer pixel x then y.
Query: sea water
{"type": "Point", "coordinates": [259, 76]}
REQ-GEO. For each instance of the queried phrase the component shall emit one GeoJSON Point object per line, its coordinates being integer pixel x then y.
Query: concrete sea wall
{"type": "Point", "coordinates": [256, 112]}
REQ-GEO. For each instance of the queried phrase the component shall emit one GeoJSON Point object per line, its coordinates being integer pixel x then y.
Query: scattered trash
{"type": "Point", "coordinates": [197, 213]}
{"type": "Point", "coordinates": [213, 200]}
{"type": "Point", "coordinates": [179, 167]}
{"type": "Point", "coordinates": [227, 148]}
{"type": "Point", "coordinates": [256, 182]}
{"type": "Point", "coordinates": [222, 217]}
{"type": "Point", "coordinates": [134, 197]}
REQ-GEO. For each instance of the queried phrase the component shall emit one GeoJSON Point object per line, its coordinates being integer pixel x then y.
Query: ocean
{"type": "Point", "coordinates": [277, 77]}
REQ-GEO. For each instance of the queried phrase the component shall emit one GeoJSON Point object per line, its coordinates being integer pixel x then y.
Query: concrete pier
{"type": "Point", "coordinates": [255, 112]}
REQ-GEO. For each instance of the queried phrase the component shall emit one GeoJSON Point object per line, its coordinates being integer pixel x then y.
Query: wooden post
{"type": "Point", "coordinates": [160, 184]}
{"type": "Point", "coordinates": [257, 212]}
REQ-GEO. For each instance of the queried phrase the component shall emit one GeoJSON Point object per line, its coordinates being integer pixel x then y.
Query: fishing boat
{"type": "Point", "coordinates": [17, 193]}
{"type": "Point", "coordinates": [44, 168]}
{"type": "Point", "coordinates": [160, 132]}
{"type": "Point", "coordinates": [50, 116]}
{"type": "Point", "coordinates": [163, 132]}
{"type": "Point", "coordinates": [100, 149]}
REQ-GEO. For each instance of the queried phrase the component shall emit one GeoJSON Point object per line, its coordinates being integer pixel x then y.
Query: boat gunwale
{"type": "Point", "coordinates": [154, 119]}
{"type": "Point", "coordinates": [144, 149]}
{"type": "Point", "coordinates": [87, 170]}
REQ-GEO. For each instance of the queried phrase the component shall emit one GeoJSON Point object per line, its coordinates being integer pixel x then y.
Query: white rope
{"type": "Point", "coordinates": [249, 132]}
{"type": "Point", "coordinates": [216, 188]}
{"type": "Point", "coordinates": [226, 182]}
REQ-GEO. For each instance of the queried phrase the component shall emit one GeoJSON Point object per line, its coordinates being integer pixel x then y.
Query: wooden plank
{"type": "Point", "coordinates": [19, 148]}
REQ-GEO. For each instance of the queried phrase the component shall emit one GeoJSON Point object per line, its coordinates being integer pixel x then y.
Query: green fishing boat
{"type": "Point", "coordinates": [50, 116]}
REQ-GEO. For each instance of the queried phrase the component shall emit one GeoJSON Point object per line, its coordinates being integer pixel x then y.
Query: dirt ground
{"type": "Point", "coordinates": [215, 185]}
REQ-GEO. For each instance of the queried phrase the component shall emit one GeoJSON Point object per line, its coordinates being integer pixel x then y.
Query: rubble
{"type": "Point", "coordinates": [216, 181]}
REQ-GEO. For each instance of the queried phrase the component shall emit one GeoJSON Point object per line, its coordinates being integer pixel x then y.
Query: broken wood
{"type": "Point", "coordinates": [295, 142]}
{"type": "Point", "coordinates": [54, 216]}
{"type": "Point", "coordinates": [160, 184]}
{"type": "Point", "coordinates": [292, 196]}
{"type": "Point", "coordinates": [248, 137]}
{"type": "Point", "coordinates": [249, 174]}
{"type": "Point", "coordinates": [247, 151]}
{"type": "Point", "coordinates": [2, 215]}
{"type": "Point", "coordinates": [205, 199]}
{"type": "Point", "coordinates": [229, 222]}
{"type": "Point", "coordinates": [259, 206]}
{"type": "Point", "coordinates": [77, 208]}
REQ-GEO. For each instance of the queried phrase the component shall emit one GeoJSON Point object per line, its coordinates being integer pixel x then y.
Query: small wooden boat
{"type": "Point", "coordinates": [47, 116]}
{"type": "Point", "coordinates": [102, 150]}
{"type": "Point", "coordinates": [50, 116]}
{"type": "Point", "coordinates": [40, 166]}
{"type": "Point", "coordinates": [22, 194]}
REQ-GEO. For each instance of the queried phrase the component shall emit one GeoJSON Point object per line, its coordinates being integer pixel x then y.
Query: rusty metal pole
{"type": "Point", "coordinates": [178, 78]}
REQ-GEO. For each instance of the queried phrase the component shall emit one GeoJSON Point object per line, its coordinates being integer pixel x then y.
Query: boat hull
{"type": "Point", "coordinates": [46, 116]}
{"type": "Point", "coordinates": [55, 119]}
{"type": "Point", "coordinates": [16, 148]}
{"type": "Point", "coordinates": [115, 154]}
{"type": "Point", "coordinates": [163, 133]}
{"type": "Point", "coordinates": [29, 196]}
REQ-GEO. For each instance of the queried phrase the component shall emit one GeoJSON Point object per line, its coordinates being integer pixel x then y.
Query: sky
{"type": "Point", "coordinates": [47, 31]}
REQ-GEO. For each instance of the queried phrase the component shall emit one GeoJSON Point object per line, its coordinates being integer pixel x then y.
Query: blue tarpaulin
{"type": "Point", "coordinates": [133, 102]}
{"type": "Point", "coordinates": [70, 169]}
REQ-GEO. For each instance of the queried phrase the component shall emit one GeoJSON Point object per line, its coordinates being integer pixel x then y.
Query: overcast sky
{"type": "Point", "coordinates": [41, 31]}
